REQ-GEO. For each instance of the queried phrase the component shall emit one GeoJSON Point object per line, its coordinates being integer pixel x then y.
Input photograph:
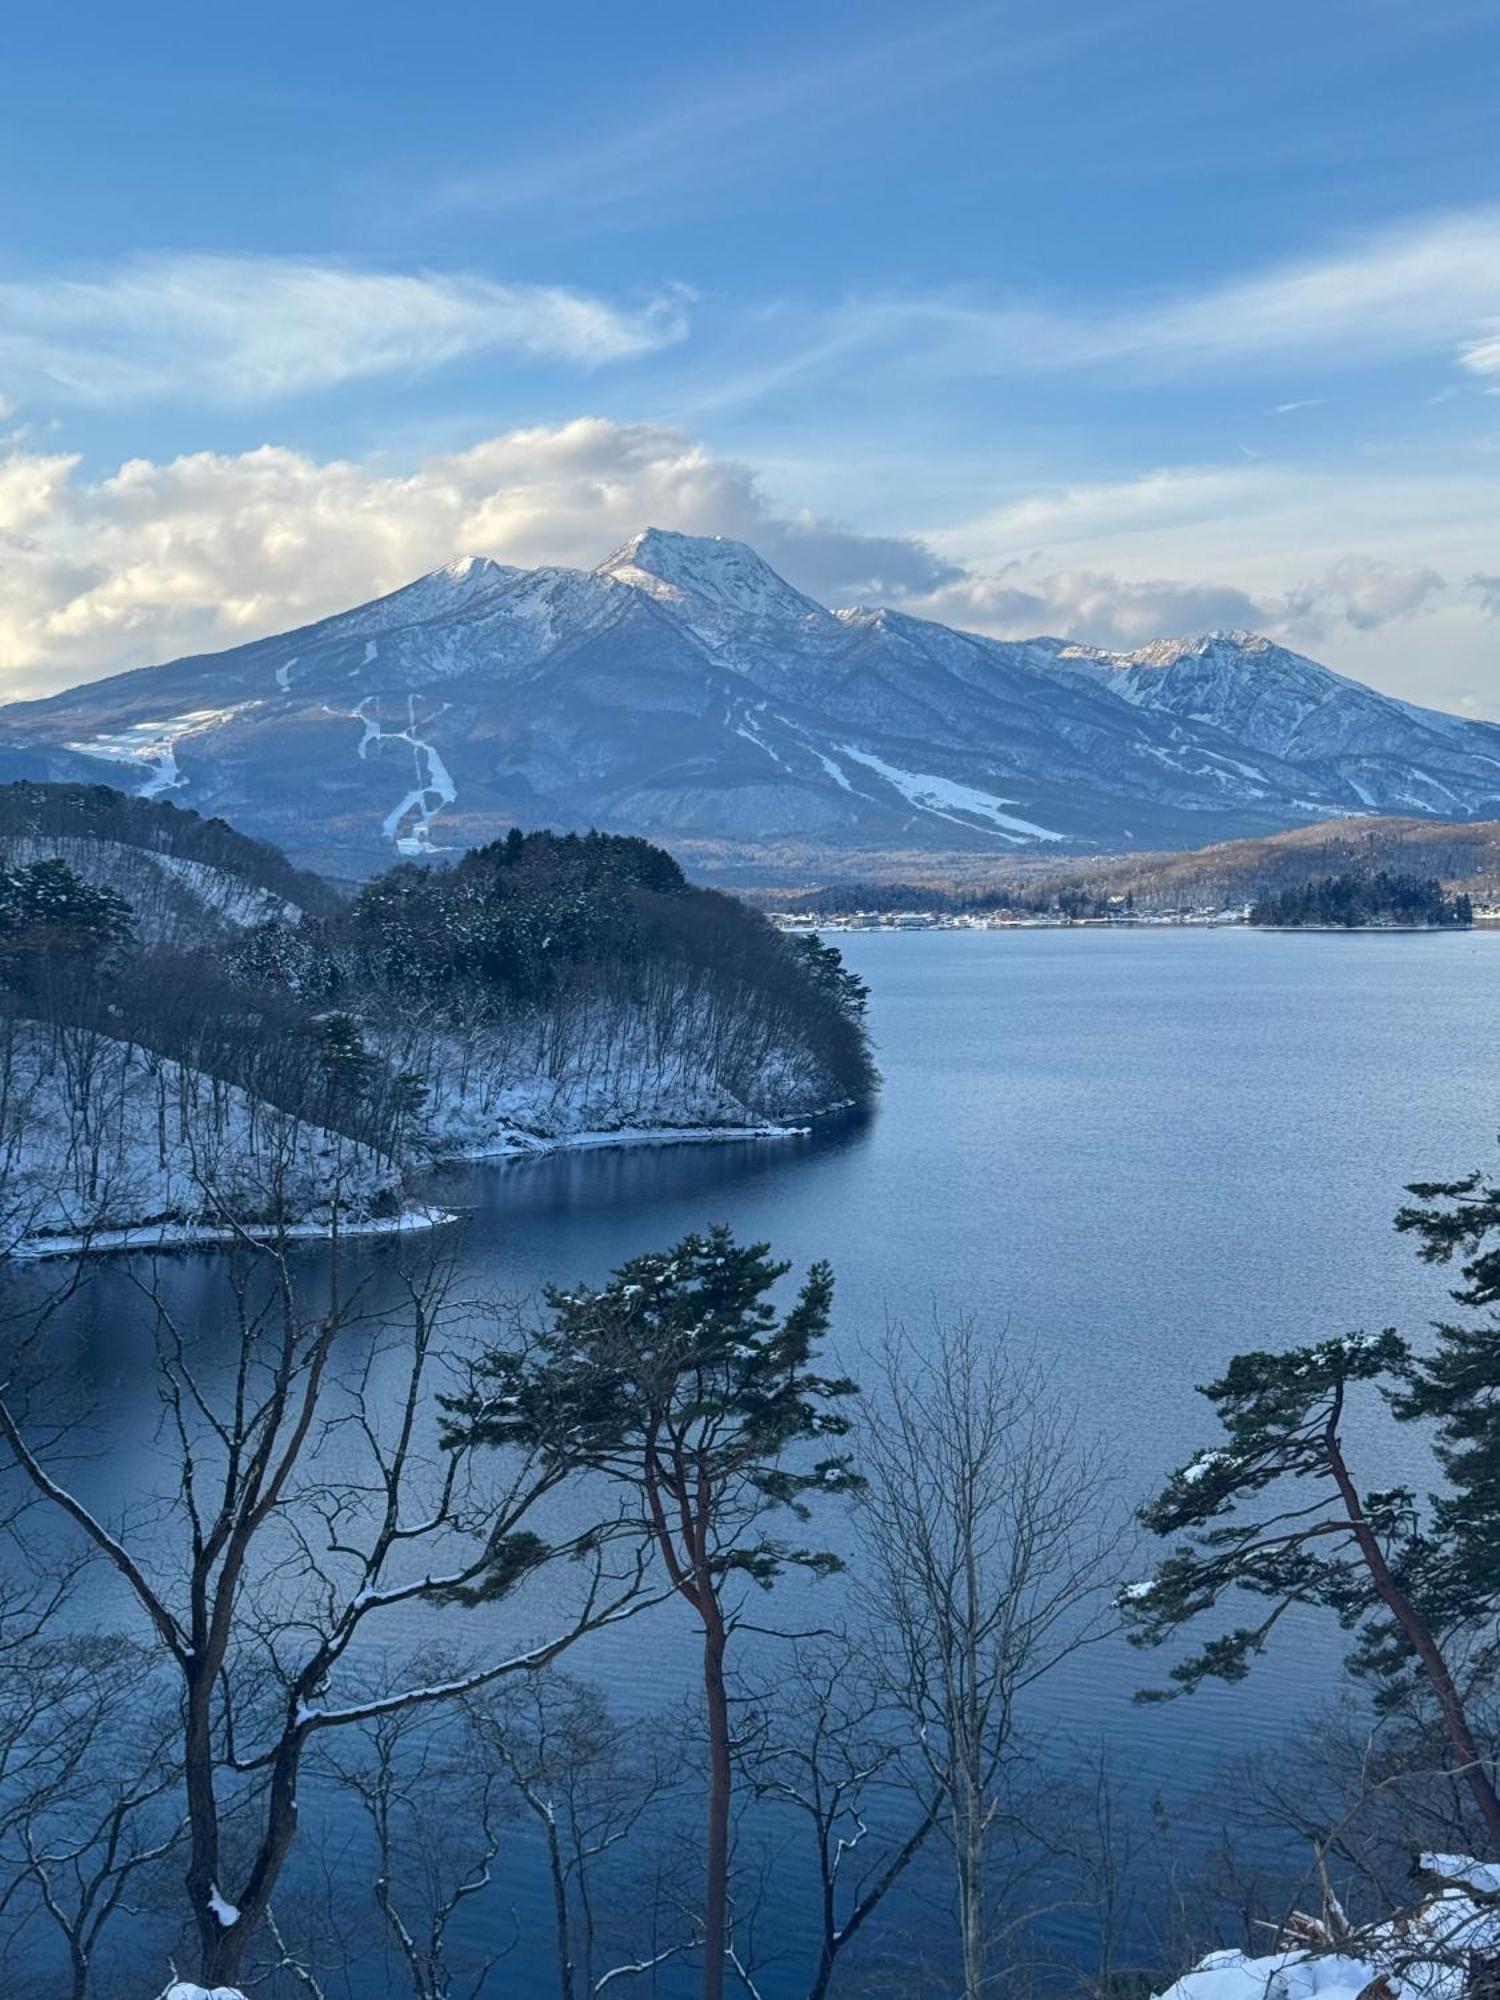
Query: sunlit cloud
{"type": "Point", "coordinates": [208, 550]}
{"type": "Point", "coordinates": [239, 330]}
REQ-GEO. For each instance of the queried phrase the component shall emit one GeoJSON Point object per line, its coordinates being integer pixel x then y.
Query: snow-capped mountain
{"type": "Point", "coordinates": [685, 691]}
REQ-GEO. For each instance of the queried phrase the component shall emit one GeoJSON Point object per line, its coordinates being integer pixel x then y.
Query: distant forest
{"type": "Point", "coordinates": [1464, 856]}
{"type": "Point", "coordinates": [1351, 901]}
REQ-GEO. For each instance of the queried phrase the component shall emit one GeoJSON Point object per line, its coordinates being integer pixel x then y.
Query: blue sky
{"type": "Point", "coordinates": [1109, 320]}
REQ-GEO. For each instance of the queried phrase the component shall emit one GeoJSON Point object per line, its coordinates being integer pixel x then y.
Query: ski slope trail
{"type": "Point", "coordinates": [409, 822]}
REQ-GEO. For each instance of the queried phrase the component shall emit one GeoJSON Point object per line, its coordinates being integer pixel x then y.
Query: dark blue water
{"type": "Point", "coordinates": [1133, 1152]}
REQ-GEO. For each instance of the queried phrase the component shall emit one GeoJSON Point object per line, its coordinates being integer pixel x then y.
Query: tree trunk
{"type": "Point", "coordinates": [559, 1906]}
{"type": "Point", "coordinates": [203, 1818]}
{"type": "Point", "coordinates": [969, 1850]}
{"type": "Point", "coordinates": [1415, 1630]}
{"type": "Point", "coordinates": [716, 1882]}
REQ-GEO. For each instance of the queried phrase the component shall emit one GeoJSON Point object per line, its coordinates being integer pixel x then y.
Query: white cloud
{"type": "Point", "coordinates": [1101, 608]}
{"type": "Point", "coordinates": [1359, 567]}
{"type": "Point", "coordinates": [239, 329]}
{"type": "Point", "coordinates": [1482, 357]}
{"type": "Point", "coordinates": [1366, 592]}
{"type": "Point", "coordinates": [1094, 607]}
{"type": "Point", "coordinates": [208, 550]}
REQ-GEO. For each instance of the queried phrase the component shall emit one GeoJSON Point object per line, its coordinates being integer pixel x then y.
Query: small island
{"type": "Point", "coordinates": [1379, 901]}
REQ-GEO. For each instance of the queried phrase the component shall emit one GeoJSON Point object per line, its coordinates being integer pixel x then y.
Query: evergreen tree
{"type": "Point", "coordinates": [1350, 900]}
{"type": "Point", "coordinates": [48, 911]}
{"type": "Point", "coordinates": [678, 1380]}
{"type": "Point", "coordinates": [1457, 1387]}
{"type": "Point", "coordinates": [1275, 1512]}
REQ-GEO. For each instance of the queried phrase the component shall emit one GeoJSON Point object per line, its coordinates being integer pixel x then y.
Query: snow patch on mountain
{"type": "Point", "coordinates": [152, 746]}
{"type": "Point", "coordinates": [947, 798]}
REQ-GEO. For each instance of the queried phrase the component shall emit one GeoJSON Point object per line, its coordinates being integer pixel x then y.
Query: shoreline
{"type": "Point", "coordinates": [214, 1236]}
{"type": "Point", "coordinates": [416, 1216]}
{"type": "Point", "coordinates": [529, 1147]}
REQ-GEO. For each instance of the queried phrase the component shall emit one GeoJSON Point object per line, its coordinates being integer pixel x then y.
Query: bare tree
{"type": "Point", "coordinates": [436, 1813]}
{"type": "Point", "coordinates": [302, 1503]}
{"type": "Point", "coordinates": [589, 1783]}
{"type": "Point", "coordinates": [989, 1545]}
{"type": "Point", "coordinates": [816, 1737]}
{"type": "Point", "coordinates": [89, 1800]}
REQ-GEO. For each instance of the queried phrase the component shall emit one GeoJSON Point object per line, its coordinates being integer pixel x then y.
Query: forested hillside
{"type": "Point", "coordinates": [187, 879]}
{"type": "Point", "coordinates": [549, 986]}
{"type": "Point", "coordinates": [260, 1051]}
{"type": "Point", "coordinates": [1228, 875]}
{"type": "Point", "coordinates": [1353, 902]}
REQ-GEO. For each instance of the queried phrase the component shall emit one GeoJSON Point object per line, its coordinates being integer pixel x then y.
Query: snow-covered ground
{"type": "Point", "coordinates": [947, 798]}
{"type": "Point", "coordinates": [1422, 1954]}
{"type": "Point", "coordinates": [150, 748]}
{"type": "Point", "coordinates": [409, 821]}
{"type": "Point", "coordinates": [104, 1145]}
{"type": "Point", "coordinates": [600, 1073]}
{"type": "Point", "coordinates": [104, 1141]}
{"type": "Point", "coordinates": [173, 900]}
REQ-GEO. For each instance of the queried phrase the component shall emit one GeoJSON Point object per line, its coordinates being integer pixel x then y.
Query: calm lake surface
{"type": "Point", "coordinates": [1138, 1151]}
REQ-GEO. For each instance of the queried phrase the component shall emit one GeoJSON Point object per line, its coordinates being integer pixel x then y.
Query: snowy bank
{"type": "Point", "coordinates": [105, 1144]}
{"type": "Point", "coordinates": [210, 1235]}
{"type": "Point", "coordinates": [1422, 1954]}
{"type": "Point", "coordinates": [601, 1074]}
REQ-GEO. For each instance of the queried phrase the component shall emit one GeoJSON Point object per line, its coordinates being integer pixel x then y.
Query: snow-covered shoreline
{"type": "Point", "coordinates": [417, 1216]}
{"type": "Point", "coordinates": [214, 1236]}
{"type": "Point", "coordinates": [527, 1146]}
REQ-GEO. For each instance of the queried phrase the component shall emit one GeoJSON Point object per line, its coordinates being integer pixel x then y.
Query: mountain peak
{"type": "Point", "coordinates": [714, 569]}
{"type": "Point", "coordinates": [470, 570]}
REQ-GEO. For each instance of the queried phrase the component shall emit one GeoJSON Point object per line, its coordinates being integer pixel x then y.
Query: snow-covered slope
{"type": "Point", "coordinates": [1395, 756]}
{"type": "Point", "coordinates": [685, 691]}
{"type": "Point", "coordinates": [190, 884]}
{"type": "Point", "coordinates": [173, 901]}
{"type": "Point", "coordinates": [101, 1136]}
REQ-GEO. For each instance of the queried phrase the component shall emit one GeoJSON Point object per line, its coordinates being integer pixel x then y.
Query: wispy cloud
{"type": "Point", "coordinates": [243, 329]}
{"type": "Point", "coordinates": [709, 134]}
{"type": "Point", "coordinates": [1429, 287]}
{"type": "Point", "coordinates": [1482, 357]}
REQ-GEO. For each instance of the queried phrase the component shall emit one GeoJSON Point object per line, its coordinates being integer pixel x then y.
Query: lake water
{"type": "Point", "coordinates": [1137, 1151]}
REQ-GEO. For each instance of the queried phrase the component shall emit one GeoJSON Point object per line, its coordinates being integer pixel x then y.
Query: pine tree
{"type": "Point", "coordinates": [1457, 1387]}
{"type": "Point", "coordinates": [678, 1380]}
{"type": "Point", "coordinates": [1364, 1556]}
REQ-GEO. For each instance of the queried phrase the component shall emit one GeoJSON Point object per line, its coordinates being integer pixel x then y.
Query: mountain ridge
{"type": "Point", "coordinates": [685, 691]}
